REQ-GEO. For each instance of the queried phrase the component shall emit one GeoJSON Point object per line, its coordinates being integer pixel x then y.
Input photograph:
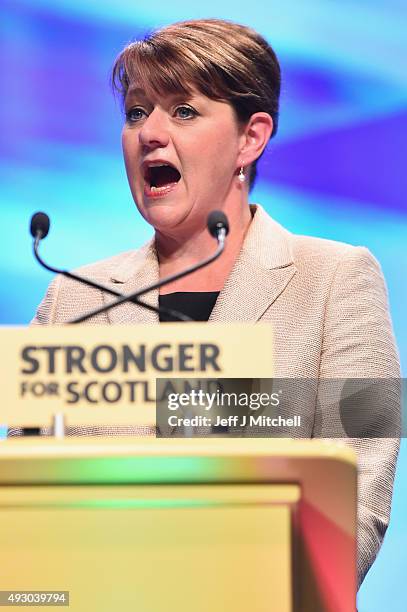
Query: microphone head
{"type": "Point", "coordinates": [39, 225]}
{"type": "Point", "coordinates": [217, 220]}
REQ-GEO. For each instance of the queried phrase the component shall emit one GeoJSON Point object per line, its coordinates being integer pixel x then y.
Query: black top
{"type": "Point", "coordinates": [196, 305]}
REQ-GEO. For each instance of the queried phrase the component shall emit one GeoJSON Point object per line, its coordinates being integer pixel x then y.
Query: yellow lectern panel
{"type": "Point", "coordinates": [141, 548]}
{"type": "Point", "coordinates": [180, 525]}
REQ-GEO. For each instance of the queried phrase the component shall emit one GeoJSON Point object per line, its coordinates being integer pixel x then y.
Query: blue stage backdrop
{"type": "Point", "coordinates": [337, 168]}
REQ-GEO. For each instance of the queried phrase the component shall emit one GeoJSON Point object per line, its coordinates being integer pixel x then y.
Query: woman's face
{"type": "Point", "coordinates": [181, 154]}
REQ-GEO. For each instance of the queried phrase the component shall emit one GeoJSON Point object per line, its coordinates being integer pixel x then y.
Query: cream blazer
{"type": "Point", "coordinates": [327, 303]}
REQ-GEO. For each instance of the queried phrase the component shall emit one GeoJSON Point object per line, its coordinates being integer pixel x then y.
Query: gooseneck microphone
{"type": "Point", "coordinates": [218, 227]}
{"type": "Point", "coordinates": [39, 228]}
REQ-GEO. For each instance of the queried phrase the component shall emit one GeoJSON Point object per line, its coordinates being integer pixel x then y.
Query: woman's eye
{"type": "Point", "coordinates": [185, 112]}
{"type": "Point", "coordinates": [135, 114]}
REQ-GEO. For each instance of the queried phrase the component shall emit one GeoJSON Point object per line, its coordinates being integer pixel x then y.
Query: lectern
{"type": "Point", "coordinates": [170, 524]}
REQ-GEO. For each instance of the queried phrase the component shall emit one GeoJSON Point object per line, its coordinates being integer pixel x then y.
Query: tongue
{"type": "Point", "coordinates": [164, 175]}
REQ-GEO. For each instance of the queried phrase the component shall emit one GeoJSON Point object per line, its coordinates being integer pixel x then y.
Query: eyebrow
{"type": "Point", "coordinates": [138, 91]}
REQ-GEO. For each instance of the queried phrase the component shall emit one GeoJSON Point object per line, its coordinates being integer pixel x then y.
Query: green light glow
{"type": "Point", "coordinates": [137, 470]}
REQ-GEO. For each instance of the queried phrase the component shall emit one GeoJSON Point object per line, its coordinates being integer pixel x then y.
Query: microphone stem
{"type": "Point", "coordinates": [90, 283]}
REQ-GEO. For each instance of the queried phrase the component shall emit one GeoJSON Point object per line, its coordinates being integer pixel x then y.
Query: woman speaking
{"type": "Point", "coordinates": [201, 102]}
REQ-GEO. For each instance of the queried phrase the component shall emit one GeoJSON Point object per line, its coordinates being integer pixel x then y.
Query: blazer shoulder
{"type": "Point", "coordinates": [309, 251]}
{"type": "Point", "coordinates": [313, 246]}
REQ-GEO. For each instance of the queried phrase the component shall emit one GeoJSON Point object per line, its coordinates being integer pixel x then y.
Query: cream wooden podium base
{"type": "Point", "coordinates": [177, 525]}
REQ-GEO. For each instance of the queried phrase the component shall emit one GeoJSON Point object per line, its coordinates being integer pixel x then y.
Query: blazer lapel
{"type": "Point", "coordinates": [139, 270]}
{"type": "Point", "coordinates": [262, 271]}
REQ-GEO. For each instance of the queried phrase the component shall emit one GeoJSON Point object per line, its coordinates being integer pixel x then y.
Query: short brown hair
{"type": "Point", "coordinates": [224, 61]}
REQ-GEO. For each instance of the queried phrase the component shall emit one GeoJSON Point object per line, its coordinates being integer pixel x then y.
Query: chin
{"type": "Point", "coordinates": [163, 217]}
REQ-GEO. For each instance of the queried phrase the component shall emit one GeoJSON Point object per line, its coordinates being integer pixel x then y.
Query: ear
{"type": "Point", "coordinates": [255, 137]}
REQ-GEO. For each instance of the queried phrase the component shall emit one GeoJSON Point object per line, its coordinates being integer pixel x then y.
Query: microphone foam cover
{"type": "Point", "coordinates": [39, 224]}
{"type": "Point", "coordinates": [216, 221]}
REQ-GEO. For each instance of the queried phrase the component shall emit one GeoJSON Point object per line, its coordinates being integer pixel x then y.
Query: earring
{"type": "Point", "coordinates": [241, 175]}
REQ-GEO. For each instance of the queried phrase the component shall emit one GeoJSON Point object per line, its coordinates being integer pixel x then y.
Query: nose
{"type": "Point", "coordinates": [154, 131]}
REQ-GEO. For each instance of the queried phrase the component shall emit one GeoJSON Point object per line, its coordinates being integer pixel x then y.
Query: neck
{"type": "Point", "coordinates": [176, 253]}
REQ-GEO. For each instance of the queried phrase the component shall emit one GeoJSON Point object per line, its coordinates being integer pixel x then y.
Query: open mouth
{"type": "Point", "coordinates": [160, 178]}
